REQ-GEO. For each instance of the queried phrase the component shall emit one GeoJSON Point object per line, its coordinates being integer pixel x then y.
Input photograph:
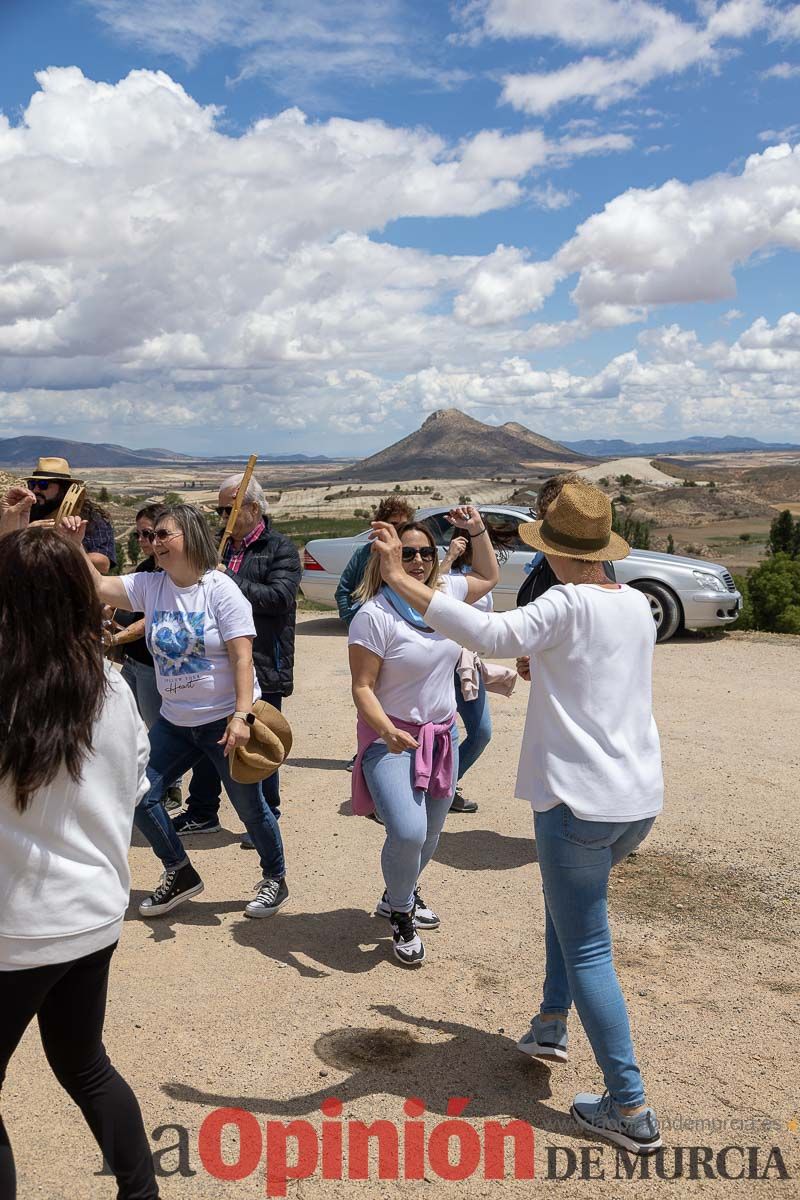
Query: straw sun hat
{"type": "Point", "coordinates": [269, 744]}
{"type": "Point", "coordinates": [577, 525]}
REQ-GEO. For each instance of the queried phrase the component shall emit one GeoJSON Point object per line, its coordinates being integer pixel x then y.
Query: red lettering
{"type": "Point", "coordinates": [332, 1139]}
{"type": "Point", "coordinates": [358, 1149]}
{"type": "Point", "coordinates": [414, 1140]}
{"type": "Point", "coordinates": [494, 1162]}
{"type": "Point", "coordinates": [469, 1150]}
{"type": "Point", "coordinates": [209, 1143]}
{"type": "Point", "coordinates": [279, 1170]}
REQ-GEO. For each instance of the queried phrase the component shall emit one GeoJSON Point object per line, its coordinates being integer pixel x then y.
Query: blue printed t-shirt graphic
{"type": "Point", "coordinates": [177, 642]}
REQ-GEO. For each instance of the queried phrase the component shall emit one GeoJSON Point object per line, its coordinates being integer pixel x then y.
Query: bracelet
{"type": "Point", "coordinates": [240, 716]}
{"type": "Point", "coordinates": [478, 534]}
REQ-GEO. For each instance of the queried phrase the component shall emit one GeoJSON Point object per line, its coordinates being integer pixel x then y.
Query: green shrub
{"type": "Point", "coordinates": [134, 551]}
{"type": "Point", "coordinates": [745, 618]}
{"type": "Point", "coordinates": [171, 498]}
{"type": "Point", "coordinates": [774, 588]}
{"type": "Point", "coordinates": [635, 533]}
{"type": "Point", "coordinates": [784, 535]}
{"type": "Point", "coordinates": [670, 544]}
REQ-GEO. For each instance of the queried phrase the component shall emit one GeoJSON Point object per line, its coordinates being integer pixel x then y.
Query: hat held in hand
{"type": "Point", "coordinates": [268, 747]}
{"type": "Point", "coordinates": [577, 525]}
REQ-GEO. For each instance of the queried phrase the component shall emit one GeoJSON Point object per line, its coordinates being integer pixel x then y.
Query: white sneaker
{"type": "Point", "coordinates": [408, 947]}
{"type": "Point", "coordinates": [425, 917]}
{"type": "Point", "coordinates": [272, 894]}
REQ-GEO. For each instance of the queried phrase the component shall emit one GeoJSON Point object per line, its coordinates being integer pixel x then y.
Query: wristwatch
{"type": "Point", "coordinates": [249, 718]}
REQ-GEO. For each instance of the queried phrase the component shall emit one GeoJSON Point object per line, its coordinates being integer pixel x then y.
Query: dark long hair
{"type": "Point", "coordinates": [52, 679]}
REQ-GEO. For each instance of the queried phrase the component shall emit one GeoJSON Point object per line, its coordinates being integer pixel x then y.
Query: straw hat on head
{"type": "Point", "coordinates": [52, 468]}
{"type": "Point", "coordinates": [269, 744]}
{"type": "Point", "coordinates": [577, 525]}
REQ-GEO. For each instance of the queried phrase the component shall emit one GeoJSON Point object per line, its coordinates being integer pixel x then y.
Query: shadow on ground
{"type": "Point", "coordinates": [322, 627]}
{"type": "Point", "coordinates": [394, 1060]}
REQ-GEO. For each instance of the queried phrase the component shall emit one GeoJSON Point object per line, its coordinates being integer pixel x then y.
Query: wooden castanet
{"type": "Point", "coordinates": [238, 502]}
{"type": "Point", "coordinates": [72, 503]}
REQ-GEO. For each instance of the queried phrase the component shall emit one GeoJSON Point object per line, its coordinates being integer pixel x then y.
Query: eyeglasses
{"type": "Point", "coordinates": [40, 485]}
{"type": "Point", "coordinates": [146, 535]}
{"type": "Point", "coordinates": [164, 535]}
{"type": "Point", "coordinates": [225, 511]}
{"type": "Point", "coordinates": [426, 553]}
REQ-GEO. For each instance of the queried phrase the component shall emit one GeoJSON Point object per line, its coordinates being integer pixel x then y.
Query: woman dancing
{"type": "Point", "coordinates": [403, 690]}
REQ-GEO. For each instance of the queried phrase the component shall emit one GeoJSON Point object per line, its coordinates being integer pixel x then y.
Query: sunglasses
{"type": "Point", "coordinates": [225, 511]}
{"type": "Point", "coordinates": [426, 553]}
{"type": "Point", "coordinates": [164, 535]}
{"type": "Point", "coordinates": [40, 485]}
{"type": "Point", "coordinates": [145, 535]}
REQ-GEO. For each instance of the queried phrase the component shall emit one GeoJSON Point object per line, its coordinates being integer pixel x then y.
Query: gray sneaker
{"type": "Point", "coordinates": [272, 893]}
{"type": "Point", "coordinates": [599, 1114]}
{"type": "Point", "coordinates": [545, 1039]}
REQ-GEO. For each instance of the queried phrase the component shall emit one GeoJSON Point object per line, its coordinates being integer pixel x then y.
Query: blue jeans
{"type": "Point", "coordinates": [413, 820]}
{"type": "Point", "coordinates": [575, 860]}
{"type": "Point", "coordinates": [177, 748]}
{"type": "Point", "coordinates": [477, 719]}
{"type": "Point", "coordinates": [141, 679]}
{"type": "Point", "coordinates": [205, 786]}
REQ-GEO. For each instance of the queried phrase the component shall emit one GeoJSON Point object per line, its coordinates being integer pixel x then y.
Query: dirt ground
{"type": "Point", "coordinates": [209, 1010]}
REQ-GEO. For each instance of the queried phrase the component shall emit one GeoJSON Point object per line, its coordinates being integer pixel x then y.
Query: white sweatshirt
{"type": "Point", "coordinates": [64, 879]}
{"type": "Point", "coordinates": [590, 739]}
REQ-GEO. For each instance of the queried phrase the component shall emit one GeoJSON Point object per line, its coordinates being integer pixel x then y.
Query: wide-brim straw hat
{"type": "Point", "coordinates": [577, 525]}
{"type": "Point", "coordinates": [269, 745]}
{"type": "Point", "coordinates": [52, 468]}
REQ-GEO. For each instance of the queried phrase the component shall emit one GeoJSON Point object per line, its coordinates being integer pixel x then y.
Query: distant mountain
{"type": "Point", "coordinates": [615, 448]}
{"type": "Point", "coordinates": [451, 444]}
{"type": "Point", "coordinates": [24, 451]}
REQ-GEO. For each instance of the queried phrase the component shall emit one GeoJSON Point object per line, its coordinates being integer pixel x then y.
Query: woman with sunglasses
{"type": "Point", "coordinates": [403, 689]}
{"type": "Point", "coordinates": [200, 632]}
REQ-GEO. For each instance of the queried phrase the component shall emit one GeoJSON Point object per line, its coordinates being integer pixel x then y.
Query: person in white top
{"type": "Point", "coordinates": [403, 690]}
{"type": "Point", "coordinates": [199, 628]}
{"type": "Point", "coordinates": [73, 753]}
{"type": "Point", "coordinates": [590, 765]}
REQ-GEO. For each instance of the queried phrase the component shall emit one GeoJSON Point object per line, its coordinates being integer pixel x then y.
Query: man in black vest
{"type": "Point", "coordinates": [266, 567]}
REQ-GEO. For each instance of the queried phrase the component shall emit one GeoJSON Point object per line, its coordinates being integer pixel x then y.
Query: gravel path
{"type": "Point", "coordinates": [207, 1009]}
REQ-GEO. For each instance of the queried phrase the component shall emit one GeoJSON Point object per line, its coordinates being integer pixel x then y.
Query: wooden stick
{"type": "Point", "coordinates": [237, 503]}
{"type": "Point", "coordinates": [72, 503]}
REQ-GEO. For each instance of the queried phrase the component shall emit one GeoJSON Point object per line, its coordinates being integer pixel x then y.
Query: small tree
{"type": "Point", "coordinates": [171, 498]}
{"type": "Point", "coordinates": [670, 544]}
{"type": "Point", "coordinates": [464, 499]}
{"type": "Point", "coordinates": [774, 589]}
{"type": "Point", "coordinates": [636, 533]}
{"type": "Point", "coordinates": [103, 495]}
{"type": "Point", "coordinates": [134, 552]}
{"type": "Point", "coordinates": [784, 534]}
{"type": "Point", "coordinates": [122, 558]}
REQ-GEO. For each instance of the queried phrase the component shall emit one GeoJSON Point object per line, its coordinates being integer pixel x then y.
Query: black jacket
{"type": "Point", "coordinates": [269, 577]}
{"type": "Point", "coordinates": [543, 577]}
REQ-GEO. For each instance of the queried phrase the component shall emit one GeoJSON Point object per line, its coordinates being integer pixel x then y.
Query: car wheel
{"type": "Point", "coordinates": [664, 606]}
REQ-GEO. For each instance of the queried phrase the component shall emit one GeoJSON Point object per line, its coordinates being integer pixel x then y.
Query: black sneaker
{"type": "Point", "coordinates": [425, 917]}
{"type": "Point", "coordinates": [177, 885]}
{"type": "Point", "coordinates": [185, 823]}
{"type": "Point", "coordinates": [272, 893]}
{"type": "Point", "coordinates": [461, 805]}
{"type": "Point", "coordinates": [407, 944]}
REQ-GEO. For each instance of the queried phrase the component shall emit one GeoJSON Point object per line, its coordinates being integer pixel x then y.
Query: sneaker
{"type": "Point", "coordinates": [177, 885]}
{"type": "Point", "coordinates": [185, 823]}
{"type": "Point", "coordinates": [351, 764]}
{"type": "Point", "coordinates": [545, 1039]}
{"type": "Point", "coordinates": [599, 1114]}
{"type": "Point", "coordinates": [461, 805]}
{"type": "Point", "coordinates": [425, 917]}
{"type": "Point", "coordinates": [408, 947]}
{"type": "Point", "coordinates": [247, 842]}
{"type": "Point", "coordinates": [272, 894]}
{"type": "Point", "coordinates": [173, 798]}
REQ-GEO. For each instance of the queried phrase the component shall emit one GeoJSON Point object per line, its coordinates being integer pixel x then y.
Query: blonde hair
{"type": "Point", "coordinates": [372, 581]}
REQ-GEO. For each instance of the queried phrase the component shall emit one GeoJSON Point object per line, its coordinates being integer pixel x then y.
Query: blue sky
{"type": "Point", "coordinates": [275, 225]}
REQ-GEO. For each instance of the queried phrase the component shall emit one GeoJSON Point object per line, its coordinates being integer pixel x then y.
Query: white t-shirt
{"type": "Point", "coordinates": [64, 879]}
{"type": "Point", "coordinates": [590, 738]}
{"type": "Point", "coordinates": [186, 631]}
{"type": "Point", "coordinates": [415, 682]}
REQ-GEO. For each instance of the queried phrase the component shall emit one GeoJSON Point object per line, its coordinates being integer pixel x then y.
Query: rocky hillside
{"type": "Point", "coordinates": [452, 445]}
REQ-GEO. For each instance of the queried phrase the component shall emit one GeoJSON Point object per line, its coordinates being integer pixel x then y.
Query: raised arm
{"type": "Point", "coordinates": [499, 635]}
{"type": "Point", "coordinates": [110, 588]}
{"type": "Point", "coordinates": [485, 573]}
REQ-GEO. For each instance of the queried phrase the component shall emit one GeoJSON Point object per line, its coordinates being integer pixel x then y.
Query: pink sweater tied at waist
{"type": "Point", "coordinates": [433, 761]}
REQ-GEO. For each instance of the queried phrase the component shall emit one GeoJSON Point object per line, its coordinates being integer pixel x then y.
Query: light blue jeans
{"type": "Point", "coordinates": [413, 820]}
{"type": "Point", "coordinates": [477, 719]}
{"type": "Point", "coordinates": [575, 860]}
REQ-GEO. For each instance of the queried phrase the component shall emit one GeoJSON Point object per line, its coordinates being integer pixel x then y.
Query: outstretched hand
{"type": "Point", "coordinates": [73, 528]}
{"type": "Point", "coordinates": [15, 508]}
{"type": "Point", "coordinates": [466, 516]}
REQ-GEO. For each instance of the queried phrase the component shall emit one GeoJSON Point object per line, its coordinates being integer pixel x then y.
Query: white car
{"type": "Point", "coordinates": [684, 593]}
